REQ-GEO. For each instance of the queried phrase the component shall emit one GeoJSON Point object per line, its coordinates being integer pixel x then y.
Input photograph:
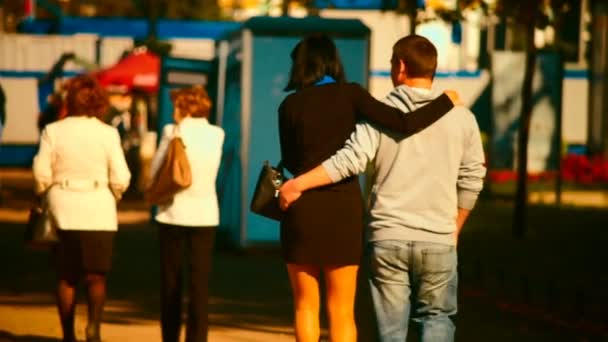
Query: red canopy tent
{"type": "Point", "coordinates": [139, 70]}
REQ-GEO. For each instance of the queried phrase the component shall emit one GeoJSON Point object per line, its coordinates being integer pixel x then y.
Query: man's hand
{"type": "Point", "coordinates": [289, 193]}
{"type": "Point", "coordinates": [453, 95]}
{"type": "Point", "coordinates": [461, 218]}
{"type": "Point", "coordinates": [292, 189]}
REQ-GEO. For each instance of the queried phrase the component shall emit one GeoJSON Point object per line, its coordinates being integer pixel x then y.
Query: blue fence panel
{"type": "Point", "coordinates": [216, 30]}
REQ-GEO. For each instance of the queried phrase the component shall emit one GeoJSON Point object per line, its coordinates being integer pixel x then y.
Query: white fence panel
{"type": "Point", "coordinates": [111, 48]}
{"type": "Point", "coordinates": [22, 52]}
{"type": "Point", "coordinates": [21, 110]}
{"type": "Point", "coordinates": [193, 48]}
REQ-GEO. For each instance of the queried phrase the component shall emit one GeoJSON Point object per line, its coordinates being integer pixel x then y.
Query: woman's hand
{"type": "Point", "coordinates": [289, 193]}
{"type": "Point", "coordinates": [453, 95]}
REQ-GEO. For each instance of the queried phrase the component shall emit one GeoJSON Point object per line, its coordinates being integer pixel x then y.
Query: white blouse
{"type": "Point", "coordinates": [197, 205]}
{"type": "Point", "coordinates": [82, 165]}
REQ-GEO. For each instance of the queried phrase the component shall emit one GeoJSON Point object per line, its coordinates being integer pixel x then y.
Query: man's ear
{"type": "Point", "coordinates": [402, 67]}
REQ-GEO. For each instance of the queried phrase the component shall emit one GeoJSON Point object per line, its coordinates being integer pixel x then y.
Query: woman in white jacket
{"type": "Point", "coordinates": [81, 169]}
{"type": "Point", "coordinates": [192, 217]}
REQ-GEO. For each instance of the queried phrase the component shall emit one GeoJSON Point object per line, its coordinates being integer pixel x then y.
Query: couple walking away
{"type": "Point", "coordinates": [428, 171]}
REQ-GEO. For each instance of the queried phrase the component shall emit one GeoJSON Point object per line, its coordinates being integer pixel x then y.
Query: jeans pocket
{"type": "Point", "coordinates": [386, 264]}
{"type": "Point", "coordinates": [439, 259]}
{"type": "Point", "coordinates": [438, 279]}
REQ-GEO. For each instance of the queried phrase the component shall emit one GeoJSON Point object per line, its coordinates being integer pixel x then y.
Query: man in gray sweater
{"type": "Point", "coordinates": [424, 188]}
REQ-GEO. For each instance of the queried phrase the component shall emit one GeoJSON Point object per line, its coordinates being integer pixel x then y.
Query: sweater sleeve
{"type": "Point", "coordinates": [43, 163]}
{"type": "Point", "coordinates": [119, 174]}
{"type": "Point", "coordinates": [472, 170]}
{"type": "Point", "coordinates": [387, 117]}
{"type": "Point", "coordinates": [353, 158]}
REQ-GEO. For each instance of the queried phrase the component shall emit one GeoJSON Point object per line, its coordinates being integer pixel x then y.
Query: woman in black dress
{"type": "Point", "coordinates": [323, 230]}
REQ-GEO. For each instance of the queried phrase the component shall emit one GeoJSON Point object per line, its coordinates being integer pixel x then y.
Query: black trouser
{"type": "Point", "coordinates": [198, 243]}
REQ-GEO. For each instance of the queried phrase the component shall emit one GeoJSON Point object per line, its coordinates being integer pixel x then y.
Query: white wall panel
{"type": "Point", "coordinates": [111, 48]}
{"type": "Point", "coordinates": [21, 110]}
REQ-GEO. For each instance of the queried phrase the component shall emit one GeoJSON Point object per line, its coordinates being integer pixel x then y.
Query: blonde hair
{"type": "Point", "coordinates": [192, 101]}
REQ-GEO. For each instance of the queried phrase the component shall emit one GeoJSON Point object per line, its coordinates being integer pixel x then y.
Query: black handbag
{"type": "Point", "coordinates": [41, 230]}
{"type": "Point", "coordinates": [265, 199]}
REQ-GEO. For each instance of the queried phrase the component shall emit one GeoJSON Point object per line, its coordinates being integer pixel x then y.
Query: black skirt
{"type": "Point", "coordinates": [324, 227]}
{"type": "Point", "coordinates": [80, 251]}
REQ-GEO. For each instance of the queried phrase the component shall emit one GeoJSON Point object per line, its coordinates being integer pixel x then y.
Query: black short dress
{"type": "Point", "coordinates": [325, 226]}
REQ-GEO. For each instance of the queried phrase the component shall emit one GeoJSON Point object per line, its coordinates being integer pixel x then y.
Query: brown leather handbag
{"type": "Point", "coordinates": [174, 174]}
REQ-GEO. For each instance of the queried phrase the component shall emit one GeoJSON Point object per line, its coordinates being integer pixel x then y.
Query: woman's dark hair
{"type": "Point", "coordinates": [314, 57]}
{"type": "Point", "coordinates": [85, 97]}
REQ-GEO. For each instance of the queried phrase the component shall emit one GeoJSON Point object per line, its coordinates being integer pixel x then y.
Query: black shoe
{"type": "Point", "coordinates": [92, 333]}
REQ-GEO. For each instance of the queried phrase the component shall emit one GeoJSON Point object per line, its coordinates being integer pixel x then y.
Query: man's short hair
{"type": "Point", "coordinates": [418, 54]}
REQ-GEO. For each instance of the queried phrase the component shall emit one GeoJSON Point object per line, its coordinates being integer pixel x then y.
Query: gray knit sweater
{"type": "Point", "coordinates": [419, 182]}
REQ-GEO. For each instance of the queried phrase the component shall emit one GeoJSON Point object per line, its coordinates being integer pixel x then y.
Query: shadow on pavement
{"type": "Point", "coordinates": [248, 291]}
{"type": "Point", "coordinates": [8, 337]}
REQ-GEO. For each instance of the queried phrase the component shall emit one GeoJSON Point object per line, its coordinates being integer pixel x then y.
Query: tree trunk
{"type": "Point", "coordinates": [152, 18]}
{"type": "Point", "coordinates": [410, 7]}
{"type": "Point", "coordinates": [521, 197]}
{"type": "Point", "coordinates": [598, 88]}
{"type": "Point", "coordinates": [413, 16]}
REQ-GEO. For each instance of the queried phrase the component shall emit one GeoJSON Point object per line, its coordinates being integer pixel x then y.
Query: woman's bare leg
{"type": "Point", "coordinates": [304, 281]}
{"type": "Point", "coordinates": [341, 285]}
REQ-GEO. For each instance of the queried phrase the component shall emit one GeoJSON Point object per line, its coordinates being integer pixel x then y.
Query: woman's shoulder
{"type": "Point", "coordinates": [304, 95]}
{"type": "Point", "coordinates": [334, 89]}
{"type": "Point", "coordinates": [289, 100]}
{"type": "Point", "coordinates": [354, 87]}
{"type": "Point", "coordinates": [200, 129]}
{"type": "Point", "coordinates": [104, 127]}
{"type": "Point", "coordinates": [168, 129]}
{"type": "Point", "coordinates": [77, 123]}
{"type": "Point", "coordinates": [217, 129]}
{"type": "Point", "coordinates": [213, 129]}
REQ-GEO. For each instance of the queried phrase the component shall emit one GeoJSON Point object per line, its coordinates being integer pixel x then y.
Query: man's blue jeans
{"type": "Point", "coordinates": [413, 276]}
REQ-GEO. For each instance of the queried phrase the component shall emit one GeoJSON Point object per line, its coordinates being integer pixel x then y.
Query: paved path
{"type": "Point", "coordinates": [250, 298]}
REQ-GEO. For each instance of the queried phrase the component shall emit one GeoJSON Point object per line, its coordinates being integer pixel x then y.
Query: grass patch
{"type": "Point", "coordinates": [559, 264]}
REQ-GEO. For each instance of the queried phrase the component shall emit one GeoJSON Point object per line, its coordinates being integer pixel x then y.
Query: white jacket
{"type": "Point", "coordinates": [80, 159]}
{"type": "Point", "coordinates": [197, 205]}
